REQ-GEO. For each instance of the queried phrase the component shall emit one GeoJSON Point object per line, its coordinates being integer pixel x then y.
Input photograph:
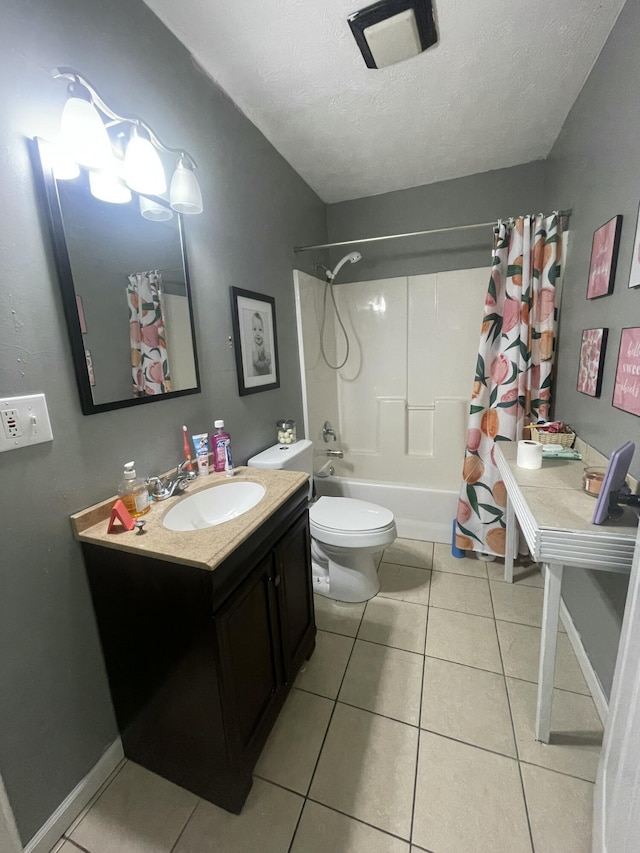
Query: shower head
{"type": "Point", "coordinates": [352, 258]}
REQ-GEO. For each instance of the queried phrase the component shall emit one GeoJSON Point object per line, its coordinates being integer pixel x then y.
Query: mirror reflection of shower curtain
{"type": "Point", "coordinates": [149, 358]}
{"type": "Point", "coordinates": [513, 371]}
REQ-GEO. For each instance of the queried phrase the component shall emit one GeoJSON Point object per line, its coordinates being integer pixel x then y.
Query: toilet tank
{"type": "Point", "coordinates": [292, 457]}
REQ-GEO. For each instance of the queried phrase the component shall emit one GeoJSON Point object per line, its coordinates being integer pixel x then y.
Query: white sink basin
{"type": "Point", "coordinates": [213, 506]}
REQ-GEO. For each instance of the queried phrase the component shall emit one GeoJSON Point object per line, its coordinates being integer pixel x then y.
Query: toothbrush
{"type": "Point", "coordinates": [187, 450]}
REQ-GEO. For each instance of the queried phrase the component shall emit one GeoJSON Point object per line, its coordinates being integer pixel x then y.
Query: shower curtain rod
{"type": "Point", "coordinates": [563, 213]}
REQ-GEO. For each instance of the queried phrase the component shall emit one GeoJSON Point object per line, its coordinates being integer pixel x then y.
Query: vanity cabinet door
{"type": "Point", "coordinates": [249, 647]}
{"type": "Point", "coordinates": [293, 583]}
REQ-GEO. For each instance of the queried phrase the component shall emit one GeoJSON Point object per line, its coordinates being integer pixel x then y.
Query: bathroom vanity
{"type": "Point", "coordinates": [203, 632]}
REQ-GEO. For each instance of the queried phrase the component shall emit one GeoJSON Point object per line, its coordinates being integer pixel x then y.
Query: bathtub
{"type": "Point", "coordinates": [420, 513]}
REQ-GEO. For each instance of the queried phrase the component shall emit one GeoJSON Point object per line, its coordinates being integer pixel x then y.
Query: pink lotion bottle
{"type": "Point", "coordinates": [221, 441]}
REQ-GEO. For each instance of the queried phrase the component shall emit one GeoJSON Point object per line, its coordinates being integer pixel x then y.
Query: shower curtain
{"type": "Point", "coordinates": [149, 359]}
{"type": "Point", "coordinates": [513, 370]}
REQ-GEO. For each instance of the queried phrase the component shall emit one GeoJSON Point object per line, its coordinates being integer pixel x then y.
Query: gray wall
{"type": "Point", "coordinates": [464, 201]}
{"type": "Point", "coordinates": [55, 713]}
{"type": "Point", "coordinates": [594, 168]}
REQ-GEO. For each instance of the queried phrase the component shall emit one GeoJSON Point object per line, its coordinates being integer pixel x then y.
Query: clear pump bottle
{"type": "Point", "coordinates": [133, 492]}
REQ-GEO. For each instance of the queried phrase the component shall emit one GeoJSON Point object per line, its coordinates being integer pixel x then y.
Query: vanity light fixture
{"type": "Point", "coordinates": [153, 211]}
{"type": "Point", "coordinates": [106, 186]}
{"type": "Point", "coordinates": [393, 30]}
{"type": "Point", "coordinates": [90, 135]}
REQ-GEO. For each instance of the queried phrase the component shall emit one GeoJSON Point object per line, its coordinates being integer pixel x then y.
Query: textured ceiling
{"type": "Point", "coordinates": [493, 92]}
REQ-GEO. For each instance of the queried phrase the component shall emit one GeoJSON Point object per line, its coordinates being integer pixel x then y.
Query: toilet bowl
{"type": "Point", "coordinates": [347, 535]}
{"type": "Point", "coordinates": [347, 540]}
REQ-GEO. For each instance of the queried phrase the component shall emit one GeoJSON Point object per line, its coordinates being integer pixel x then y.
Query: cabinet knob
{"type": "Point", "coordinates": [277, 580]}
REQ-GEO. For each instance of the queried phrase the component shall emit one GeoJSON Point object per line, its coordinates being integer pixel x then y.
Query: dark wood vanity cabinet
{"type": "Point", "coordinates": [200, 662]}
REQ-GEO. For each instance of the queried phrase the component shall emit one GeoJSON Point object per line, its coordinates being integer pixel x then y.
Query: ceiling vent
{"type": "Point", "coordinates": [393, 30]}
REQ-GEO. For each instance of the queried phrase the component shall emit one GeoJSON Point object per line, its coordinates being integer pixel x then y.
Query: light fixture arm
{"type": "Point", "coordinates": [74, 76]}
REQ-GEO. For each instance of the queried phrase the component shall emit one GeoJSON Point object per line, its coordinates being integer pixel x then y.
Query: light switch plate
{"type": "Point", "coordinates": [24, 421]}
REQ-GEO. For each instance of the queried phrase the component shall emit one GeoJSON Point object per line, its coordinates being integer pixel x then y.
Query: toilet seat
{"type": "Point", "coordinates": [351, 523]}
{"type": "Point", "coordinates": [349, 514]}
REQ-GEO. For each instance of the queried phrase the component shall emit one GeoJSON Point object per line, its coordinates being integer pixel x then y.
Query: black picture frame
{"type": "Point", "coordinates": [604, 258]}
{"type": "Point", "coordinates": [593, 346]}
{"type": "Point", "coordinates": [256, 354]}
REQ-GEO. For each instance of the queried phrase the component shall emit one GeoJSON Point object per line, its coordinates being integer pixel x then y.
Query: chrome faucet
{"type": "Point", "coordinates": [338, 454]}
{"type": "Point", "coordinates": [174, 484]}
{"type": "Point", "coordinates": [328, 432]}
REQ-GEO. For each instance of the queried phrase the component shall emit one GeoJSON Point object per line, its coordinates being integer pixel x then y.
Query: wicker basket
{"type": "Point", "coordinates": [565, 439]}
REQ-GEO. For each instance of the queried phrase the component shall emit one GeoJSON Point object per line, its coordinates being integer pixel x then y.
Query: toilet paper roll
{"type": "Point", "coordinates": [529, 454]}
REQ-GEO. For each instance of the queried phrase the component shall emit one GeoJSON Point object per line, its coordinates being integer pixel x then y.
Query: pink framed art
{"type": "Point", "coordinates": [604, 256]}
{"type": "Point", "coordinates": [592, 350]}
{"type": "Point", "coordinates": [626, 392]}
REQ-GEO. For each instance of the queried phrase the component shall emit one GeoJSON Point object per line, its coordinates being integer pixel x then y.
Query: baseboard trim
{"type": "Point", "coordinates": [69, 809]}
{"type": "Point", "coordinates": [593, 682]}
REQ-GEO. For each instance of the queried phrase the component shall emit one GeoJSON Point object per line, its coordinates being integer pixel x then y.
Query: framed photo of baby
{"type": "Point", "coordinates": [255, 341]}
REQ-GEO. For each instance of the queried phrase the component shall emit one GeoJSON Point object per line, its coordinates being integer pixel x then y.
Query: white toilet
{"type": "Point", "coordinates": [347, 535]}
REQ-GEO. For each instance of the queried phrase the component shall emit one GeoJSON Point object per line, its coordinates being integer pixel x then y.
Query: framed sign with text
{"type": "Point", "coordinates": [626, 392]}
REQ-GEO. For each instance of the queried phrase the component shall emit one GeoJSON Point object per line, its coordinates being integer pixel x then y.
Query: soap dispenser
{"type": "Point", "coordinates": [133, 492]}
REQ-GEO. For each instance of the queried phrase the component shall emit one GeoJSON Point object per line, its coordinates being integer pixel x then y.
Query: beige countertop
{"type": "Point", "coordinates": [556, 498]}
{"type": "Point", "coordinates": [205, 548]}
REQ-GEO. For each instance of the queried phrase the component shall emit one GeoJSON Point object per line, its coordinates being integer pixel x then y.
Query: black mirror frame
{"type": "Point", "coordinates": [67, 289]}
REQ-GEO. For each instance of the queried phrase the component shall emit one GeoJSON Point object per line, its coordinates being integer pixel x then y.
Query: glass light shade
{"type": "Point", "coordinates": [62, 166]}
{"type": "Point", "coordinates": [143, 170]}
{"type": "Point", "coordinates": [184, 194]}
{"type": "Point", "coordinates": [153, 211]}
{"type": "Point", "coordinates": [107, 187]}
{"type": "Point", "coordinates": [83, 135]}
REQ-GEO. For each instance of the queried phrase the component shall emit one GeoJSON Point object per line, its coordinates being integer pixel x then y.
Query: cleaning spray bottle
{"type": "Point", "coordinates": [133, 492]}
{"type": "Point", "coordinates": [221, 442]}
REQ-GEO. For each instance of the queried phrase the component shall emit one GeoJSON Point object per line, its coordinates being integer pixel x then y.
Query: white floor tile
{"type": "Point", "coordinates": [444, 561]}
{"type": "Point", "coordinates": [468, 799]}
{"type": "Point", "coordinates": [139, 812]}
{"type": "Point", "coordinates": [340, 617]}
{"type": "Point", "coordinates": [522, 575]}
{"type": "Point", "coordinates": [520, 647]}
{"type": "Point", "coordinates": [267, 823]}
{"type": "Point", "coordinates": [323, 672]}
{"type": "Point", "coordinates": [467, 704]}
{"type": "Point", "coordinates": [463, 638]}
{"type": "Point", "coordinates": [560, 810]}
{"type": "Point", "coordinates": [404, 583]}
{"type": "Point", "coordinates": [395, 623]}
{"type": "Point", "coordinates": [290, 754]}
{"type": "Point", "coordinates": [409, 552]}
{"type": "Point", "coordinates": [460, 592]}
{"type": "Point", "coordinates": [516, 603]}
{"type": "Point", "coordinates": [367, 769]}
{"type": "Point", "coordinates": [384, 680]}
{"type": "Point", "coordinates": [576, 731]}
{"type": "Point", "coordinates": [322, 830]}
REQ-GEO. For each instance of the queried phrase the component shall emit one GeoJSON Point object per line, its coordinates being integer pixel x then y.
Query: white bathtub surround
{"type": "Point", "coordinates": [400, 403]}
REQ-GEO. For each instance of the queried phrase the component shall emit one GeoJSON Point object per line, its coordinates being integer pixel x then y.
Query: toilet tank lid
{"type": "Point", "coordinates": [349, 514]}
{"type": "Point", "coordinates": [280, 456]}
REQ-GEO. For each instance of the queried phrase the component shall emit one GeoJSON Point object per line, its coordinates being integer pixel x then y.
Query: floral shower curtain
{"type": "Point", "coordinates": [513, 370]}
{"type": "Point", "coordinates": [149, 360]}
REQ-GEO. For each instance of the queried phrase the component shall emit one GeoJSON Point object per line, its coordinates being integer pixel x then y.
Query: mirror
{"type": "Point", "coordinates": [125, 289]}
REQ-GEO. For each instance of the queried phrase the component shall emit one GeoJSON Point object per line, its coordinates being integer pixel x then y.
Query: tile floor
{"type": "Point", "coordinates": [410, 729]}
